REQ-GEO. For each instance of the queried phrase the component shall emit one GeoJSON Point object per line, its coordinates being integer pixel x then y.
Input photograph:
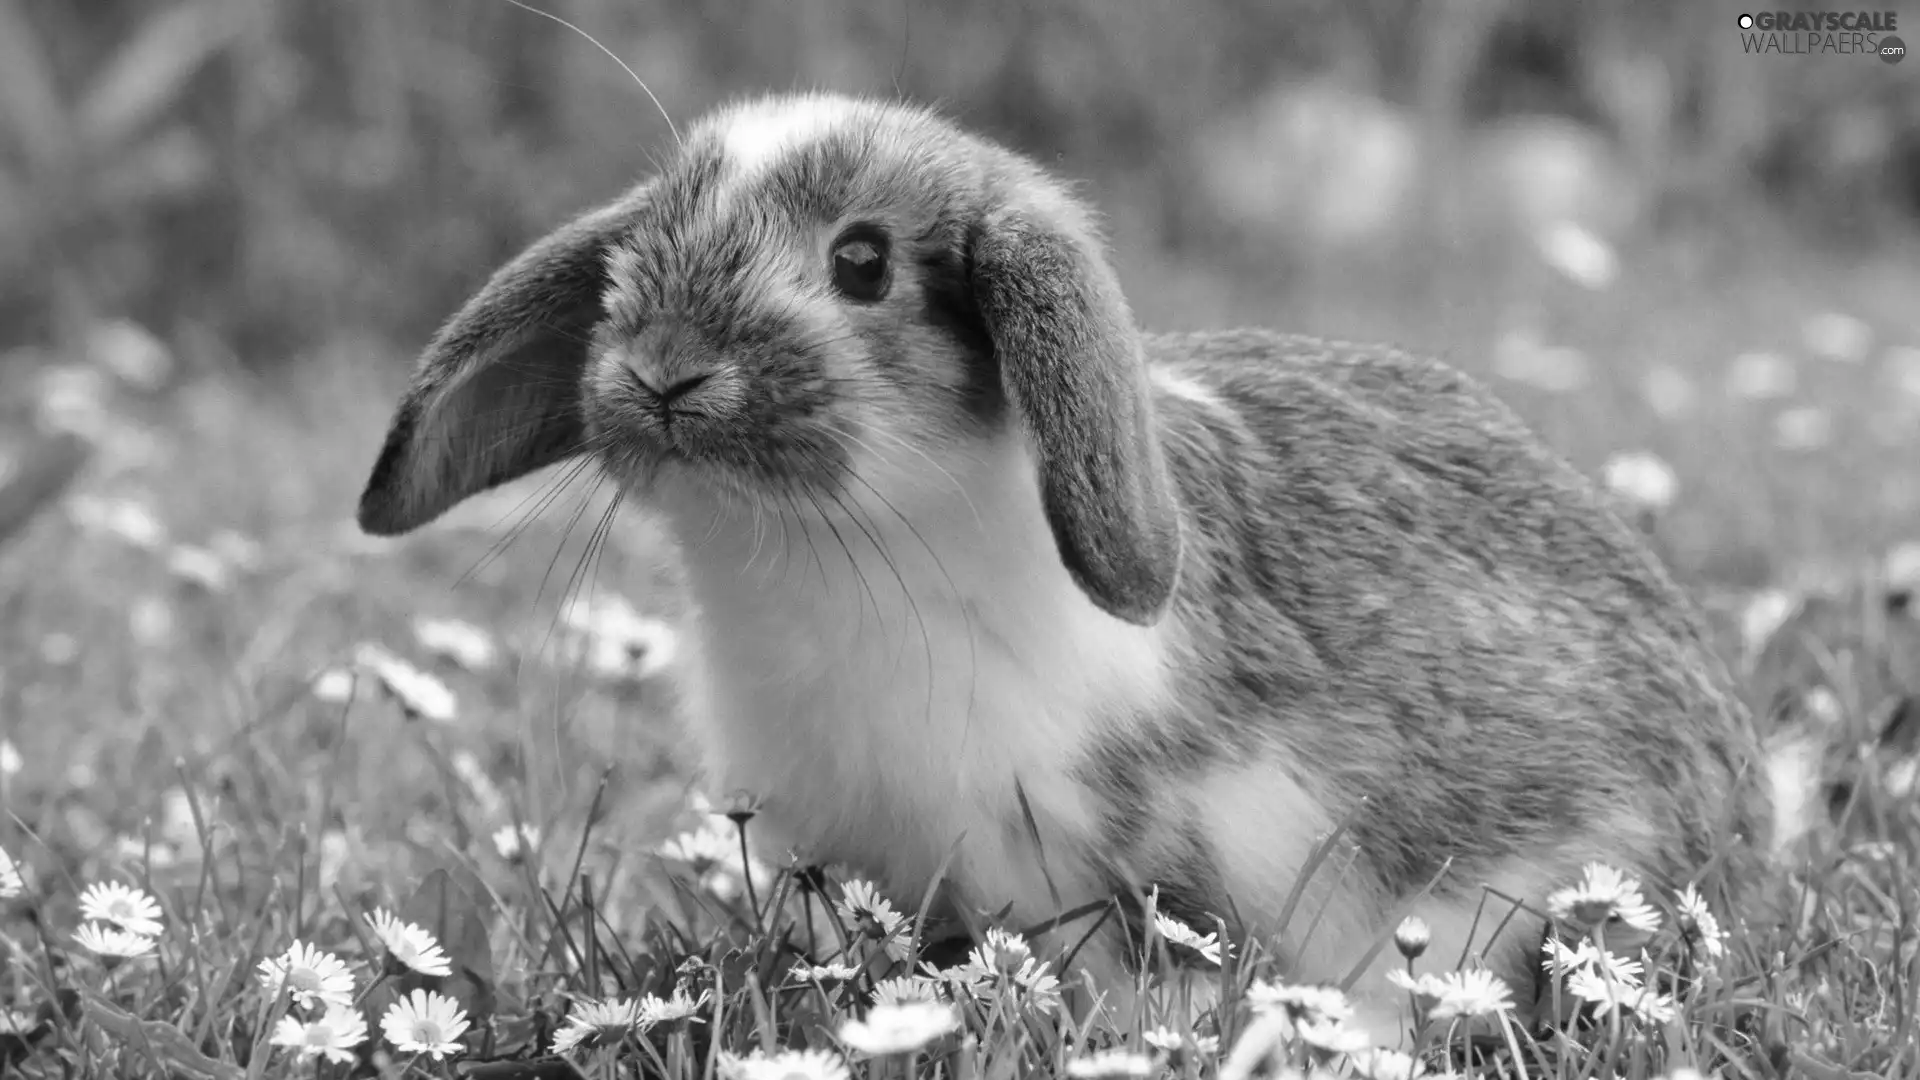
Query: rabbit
{"type": "Point", "coordinates": [993, 587]}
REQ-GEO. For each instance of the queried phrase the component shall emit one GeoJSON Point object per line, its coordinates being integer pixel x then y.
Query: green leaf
{"type": "Point", "coordinates": [455, 919]}
{"type": "Point", "coordinates": [166, 1045]}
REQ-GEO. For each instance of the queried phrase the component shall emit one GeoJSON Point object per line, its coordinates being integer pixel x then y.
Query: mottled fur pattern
{"type": "Point", "coordinates": [980, 569]}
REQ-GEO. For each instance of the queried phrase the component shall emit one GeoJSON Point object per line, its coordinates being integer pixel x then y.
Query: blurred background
{"type": "Point", "coordinates": [226, 226]}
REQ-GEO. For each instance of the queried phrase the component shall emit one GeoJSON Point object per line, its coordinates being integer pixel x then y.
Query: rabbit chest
{"type": "Point", "coordinates": [896, 692]}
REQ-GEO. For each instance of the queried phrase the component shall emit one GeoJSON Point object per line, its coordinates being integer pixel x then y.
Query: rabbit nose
{"type": "Point", "coordinates": [669, 393]}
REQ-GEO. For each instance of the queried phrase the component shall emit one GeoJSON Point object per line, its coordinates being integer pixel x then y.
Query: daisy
{"type": "Point", "coordinates": [515, 842]}
{"type": "Point", "coordinates": [710, 844]}
{"type": "Point", "coordinates": [1698, 925]}
{"type": "Point", "coordinates": [1311, 1003]}
{"type": "Point", "coordinates": [425, 1023]}
{"type": "Point", "coordinates": [1112, 1065]}
{"type": "Point", "coordinates": [834, 972]}
{"type": "Point", "coordinates": [1558, 959]}
{"type": "Point", "coordinates": [680, 1006]}
{"type": "Point", "coordinates": [103, 940]}
{"type": "Point", "coordinates": [904, 989]}
{"type": "Point", "coordinates": [899, 1029]}
{"type": "Point", "coordinates": [1471, 993]}
{"type": "Point", "coordinates": [1171, 1041]}
{"type": "Point", "coordinates": [409, 945]}
{"type": "Point", "coordinates": [419, 693]}
{"type": "Point", "coordinates": [873, 918]}
{"type": "Point", "coordinates": [1262, 1049]}
{"type": "Point", "coordinates": [1603, 894]}
{"type": "Point", "coordinates": [1412, 936]}
{"type": "Point", "coordinates": [785, 1065]}
{"type": "Point", "coordinates": [1331, 1036]}
{"type": "Point", "coordinates": [11, 883]}
{"type": "Point", "coordinates": [1381, 1064]}
{"type": "Point", "coordinates": [1179, 933]}
{"type": "Point", "coordinates": [1002, 951]}
{"type": "Point", "coordinates": [461, 642]}
{"type": "Point", "coordinates": [126, 907]}
{"type": "Point", "coordinates": [1607, 995]}
{"type": "Point", "coordinates": [334, 1034]}
{"type": "Point", "coordinates": [602, 1022]}
{"type": "Point", "coordinates": [312, 976]}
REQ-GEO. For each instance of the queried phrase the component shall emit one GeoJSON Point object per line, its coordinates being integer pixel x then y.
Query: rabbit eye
{"type": "Point", "coordinates": [860, 265]}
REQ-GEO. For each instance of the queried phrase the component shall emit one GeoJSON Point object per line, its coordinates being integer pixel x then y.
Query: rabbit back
{"type": "Point", "coordinates": [1402, 612]}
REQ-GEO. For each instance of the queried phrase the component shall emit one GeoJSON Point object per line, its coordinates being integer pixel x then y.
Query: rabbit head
{"type": "Point", "coordinates": [812, 290]}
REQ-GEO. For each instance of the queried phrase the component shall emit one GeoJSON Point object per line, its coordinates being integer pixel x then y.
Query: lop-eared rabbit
{"type": "Point", "coordinates": [979, 566]}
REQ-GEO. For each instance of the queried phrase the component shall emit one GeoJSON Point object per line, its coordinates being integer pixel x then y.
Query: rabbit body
{"type": "Point", "coordinates": [989, 587]}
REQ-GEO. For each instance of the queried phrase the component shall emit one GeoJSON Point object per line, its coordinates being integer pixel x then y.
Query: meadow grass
{"type": "Point", "coordinates": [172, 725]}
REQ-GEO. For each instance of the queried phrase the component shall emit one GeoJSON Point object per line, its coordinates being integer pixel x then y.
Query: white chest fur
{"type": "Point", "coordinates": [891, 690]}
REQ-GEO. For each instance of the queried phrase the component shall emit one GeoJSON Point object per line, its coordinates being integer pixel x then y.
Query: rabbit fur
{"type": "Point", "coordinates": [979, 567]}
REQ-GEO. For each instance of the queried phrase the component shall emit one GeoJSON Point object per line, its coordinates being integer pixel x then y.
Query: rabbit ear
{"type": "Point", "coordinates": [1071, 366]}
{"type": "Point", "coordinates": [496, 394]}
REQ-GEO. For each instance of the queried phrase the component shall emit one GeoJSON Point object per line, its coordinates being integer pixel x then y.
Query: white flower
{"type": "Point", "coordinates": [126, 907]}
{"type": "Point", "coordinates": [1310, 1003]}
{"type": "Point", "coordinates": [1669, 392]}
{"type": "Point", "coordinates": [873, 918]}
{"type": "Point", "coordinates": [461, 642]}
{"type": "Point", "coordinates": [1764, 614]}
{"type": "Point", "coordinates": [1471, 993]}
{"type": "Point", "coordinates": [14, 1022]}
{"type": "Point", "coordinates": [1112, 1065]}
{"type": "Point", "coordinates": [420, 693]}
{"type": "Point", "coordinates": [11, 884]}
{"type": "Point", "coordinates": [904, 989]}
{"type": "Point", "coordinates": [1560, 960]}
{"type": "Point", "coordinates": [1699, 926]}
{"type": "Point", "coordinates": [1608, 995]}
{"type": "Point", "coordinates": [708, 844]}
{"type": "Point", "coordinates": [1380, 1064]}
{"type": "Point", "coordinates": [1603, 894]}
{"type": "Point", "coordinates": [10, 761]}
{"type": "Point", "coordinates": [1171, 1041]}
{"type": "Point", "coordinates": [1641, 479]}
{"type": "Point", "coordinates": [1759, 376]}
{"type": "Point", "coordinates": [516, 841]}
{"type": "Point", "coordinates": [1261, 1049]}
{"type": "Point", "coordinates": [785, 1065]}
{"type": "Point", "coordinates": [681, 1006]}
{"type": "Point", "coordinates": [1412, 936]}
{"type": "Point", "coordinates": [1331, 1036]}
{"type": "Point", "coordinates": [109, 942]}
{"type": "Point", "coordinates": [1578, 253]}
{"type": "Point", "coordinates": [614, 639]}
{"type": "Point", "coordinates": [1902, 368]}
{"type": "Point", "coordinates": [1179, 933]}
{"type": "Point", "coordinates": [1002, 951]}
{"type": "Point", "coordinates": [334, 1034]}
{"type": "Point", "coordinates": [334, 686]}
{"type": "Point", "coordinates": [1832, 335]}
{"type": "Point", "coordinates": [312, 976]}
{"type": "Point", "coordinates": [198, 566]}
{"type": "Point", "coordinates": [124, 519]}
{"type": "Point", "coordinates": [1557, 369]}
{"type": "Point", "coordinates": [425, 1023]}
{"type": "Point", "coordinates": [603, 1022]}
{"type": "Point", "coordinates": [829, 972]}
{"type": "Point", "coordinates": [1805, 427]}
{"type": "Point", "coordinates": [409, 944]}
{"type": "Point", "coordinates": [899, 1029]}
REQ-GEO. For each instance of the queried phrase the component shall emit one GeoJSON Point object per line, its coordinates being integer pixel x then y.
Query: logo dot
{"type": "Point", "coordinates": [1892, 49]}
{"type": "Point", "coordinates": [1746, 22]}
